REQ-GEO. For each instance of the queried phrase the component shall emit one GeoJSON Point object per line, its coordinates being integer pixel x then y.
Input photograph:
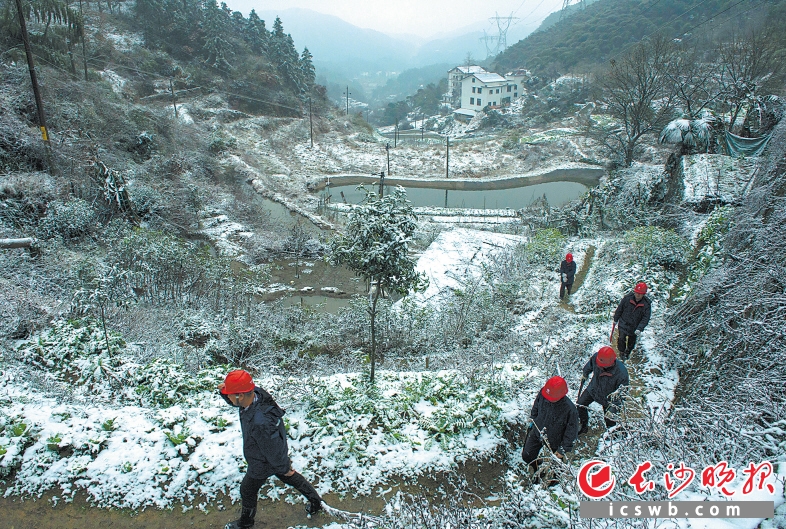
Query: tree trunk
{"type": "Point", "coordinates": [373, 313]}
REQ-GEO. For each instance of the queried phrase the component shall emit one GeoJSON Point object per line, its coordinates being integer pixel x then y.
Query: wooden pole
{"type": "Point", "coordinates": [311, 122]}
{"type": "Point", "coordinates": [84, 49]}
{"type": "Point", "coordinates": [174, 101]}
{"type": "Point", "coordinates": [39, 103]}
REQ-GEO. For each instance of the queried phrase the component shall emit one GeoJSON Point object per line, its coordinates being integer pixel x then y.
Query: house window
{"type": "Point", "coordinates": [515, 94]}
{"type": "Point", "coordinates": [480, 90]}
{"type": "Point", "coordinates": [473, 89]}
{"type": "Point", "coordinates": [498, 90]}
{"type": "Point", "coordinates": [510, 88]}
{"type": "Point", "coordinates": [478, 101]}
{"type": "Point", "coordinates": [473, 79]}
{"type": "Point", "coordinates": [471, 100]}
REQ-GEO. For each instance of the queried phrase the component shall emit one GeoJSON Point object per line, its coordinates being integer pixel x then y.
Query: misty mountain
{"type": "Point", "coordinates": [366, 59]}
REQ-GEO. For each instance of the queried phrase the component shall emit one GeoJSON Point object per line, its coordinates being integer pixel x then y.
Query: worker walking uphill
{"type": "Point", "coordinates": [631, 317]}
{"type": "Point", "coordinates": [567, 271]}
{"type": "Point", "coordinates": [264, 445]}
{"type": "Point", "coordinates": [607, 376]}
{"type": "Point", "coordinates": [554, 417]}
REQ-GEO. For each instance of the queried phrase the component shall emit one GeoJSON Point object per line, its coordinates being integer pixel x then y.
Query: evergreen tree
{"type": "Point", "coordinates": [375, 246]}
{"type": "Point", "coordinates": [217, 49]}
{"type": "Point", "coordinates": [285, 57]}
{"type": "Point", "coordinates": [307, 72]}
{"type": "Point", "coordinates": [255, 33]}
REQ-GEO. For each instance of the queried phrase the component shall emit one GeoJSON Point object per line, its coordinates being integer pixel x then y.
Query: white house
{"type": "Point", "coordinates": [482, 89]}
{"type": "Point", "coordinates": [455, 76]}
{"type": "Point", "coordinates": [518, 78]}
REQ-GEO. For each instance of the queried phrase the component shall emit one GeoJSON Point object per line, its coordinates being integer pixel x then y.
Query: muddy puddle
{"type": "Point", "coordinates": [313, 283]}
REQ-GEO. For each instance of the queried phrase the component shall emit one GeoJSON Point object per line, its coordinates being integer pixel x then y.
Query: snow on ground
{"type": "Point", "coordinates": [224, 233]}
{"type": "Point", "coordinates": [128, 455]}
{"type": "Point", "coordinates": [457, 253]}
{"type": "Point", "coordinates": [715, 176]}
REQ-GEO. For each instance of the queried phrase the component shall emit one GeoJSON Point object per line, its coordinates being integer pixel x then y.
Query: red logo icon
{"type": "Point", "coordinates": [598, 483]}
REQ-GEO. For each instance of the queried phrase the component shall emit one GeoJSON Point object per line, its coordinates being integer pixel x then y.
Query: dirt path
{"type": "Point", "coordinates": [17, 513]}
{"type": "Point", "coordinates": [578, 280]}
{"type": "Point", "coordinates": [40, 514]}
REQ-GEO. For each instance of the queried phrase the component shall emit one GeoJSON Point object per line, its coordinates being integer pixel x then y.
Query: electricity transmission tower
{"type": "Point", "coordinates": [497, 44]}
{"type": "Point", "coordinates": [565, 3]}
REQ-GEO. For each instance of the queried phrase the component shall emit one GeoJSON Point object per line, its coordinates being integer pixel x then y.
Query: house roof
{"type": "Point", "coordinates": [469, 69]}
{"type": "Point", "coordinates": [490, 78]}
{"type": "Point", "coordinates": [465, 112]}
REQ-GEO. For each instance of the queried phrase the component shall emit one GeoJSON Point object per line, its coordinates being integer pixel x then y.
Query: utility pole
{"type": "Point", "coordinates": [311, 125]}
{"type": "Point", "coordinates": [422, 126]}
{"type": "Point", "coordinates": [381, 184]}
{"type": "Point", "coordinates": [39, 103]}
{"type": "Point", "coordinates": [447, 156]}
{"type": "Point", "coordinates": [387, 148]}
{"type": "Point", "coordinates": [347, 94]}
{"type": "Point", "coordinates": [395, 133]}
{"type": "Point", "coordinates": [84, 52]}
{"type": "Point", "coordinates": [174, 101]}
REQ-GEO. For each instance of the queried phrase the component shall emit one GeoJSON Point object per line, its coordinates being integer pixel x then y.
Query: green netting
{"type": "Point", "coordinates": [737, 146]}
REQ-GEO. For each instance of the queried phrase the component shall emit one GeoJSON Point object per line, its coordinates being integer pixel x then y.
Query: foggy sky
{"type": "Point", "coordinates": [424, 18]}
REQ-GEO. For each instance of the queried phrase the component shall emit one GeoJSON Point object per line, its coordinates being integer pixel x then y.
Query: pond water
{"type": "Point", "coordinates": [559, 186]}
{"type": "Point", "coordinates": [556, 193]}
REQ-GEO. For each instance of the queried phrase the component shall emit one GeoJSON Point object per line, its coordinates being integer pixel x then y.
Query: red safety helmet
{"type": "Point", "coordinates": [569, 258]}
{"type": "Point", "coordinates": [640, 288]}
{"type": "Point", "coordinates": [237, 381]}
{"type": "Point", "coordinates": [606, 357]}
{"type": "Point", "coordinates": [554, 389]}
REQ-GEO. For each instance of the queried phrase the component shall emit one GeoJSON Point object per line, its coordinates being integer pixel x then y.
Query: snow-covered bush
{"type": "Point", "coordinates": [70, 220]}
{"type": "Point", "coordinates": [164, 382]}
{"type": "Point", "coordinates": [545, 248]}
{"type": "Point", "coordinates": [655, 246]}
{"type": "Point", "coordinates": [16, 434]}
{"type": "Point", "coordinates": [76, 348]}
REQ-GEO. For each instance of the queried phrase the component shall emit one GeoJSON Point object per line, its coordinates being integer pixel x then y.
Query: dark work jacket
{"type": "Point", "coordinates": [605, 381]}
{"type": "Point", "coordinates": [558, 420]}
{"type": "Point", "coordinates": [264, 436]}
{"type": "Point", "coordinates": [632, 315]}
{"type": "Point", "coordinates": [568, 268]}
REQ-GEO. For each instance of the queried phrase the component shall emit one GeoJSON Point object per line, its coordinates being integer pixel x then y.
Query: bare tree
{"type": "Point", "coordinates": [636, 91]}
{"type": "Point", "coordinates": [748, 65]}
{"type": "Point", "coordinates": [693, 80]}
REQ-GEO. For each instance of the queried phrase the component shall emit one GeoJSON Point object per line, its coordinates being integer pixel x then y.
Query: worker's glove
{"type": "Point", "coordinates": [638, 332]}
{"type": "Point", "coordinates": [530, 425]}
{"type": "Point", "coordinates": [583, 379]}
{"type": "Point", "coordinates": [564, 278]}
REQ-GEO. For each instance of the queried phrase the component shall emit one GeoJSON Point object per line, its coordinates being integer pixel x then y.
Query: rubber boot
{"type": "Point", "coordinates": [246, 520]}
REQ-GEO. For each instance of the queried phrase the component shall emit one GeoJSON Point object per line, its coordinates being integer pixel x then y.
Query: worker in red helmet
{"type": "Point", "coordinates": [631, 317]}
{"type": "Point", "coordinates": [553, 418]}
{"type": "Point", "coordinates": [607, 376]}
{"type": "Point", "coordinates": [567, 271]}
{"type": "Point", "coordinates": [264, 445]}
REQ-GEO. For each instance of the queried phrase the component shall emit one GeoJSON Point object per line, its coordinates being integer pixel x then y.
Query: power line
{"type": "Point", "coordinates": [662, 26]}
{"type": "Point", "coordinates": [729, 18]}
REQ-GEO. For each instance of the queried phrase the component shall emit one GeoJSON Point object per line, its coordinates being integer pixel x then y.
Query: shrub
{"type": "Point", "coordinates": [71, 220]}
{"type": "Point", "coordinates": [78, 349]}
{"type": "Point", "coordinates": [544, 248]}
{"type": "Point", "coordinates": [655, 246]}
{"type": "Point", "coordinates": [164, 382]}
